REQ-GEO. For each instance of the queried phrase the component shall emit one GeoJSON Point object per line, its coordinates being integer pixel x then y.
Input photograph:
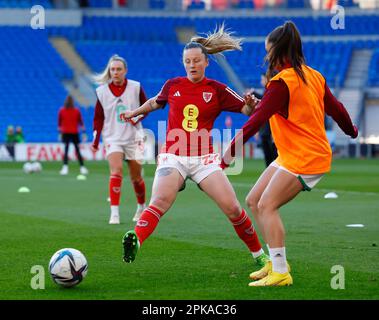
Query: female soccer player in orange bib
{"type": "Point", "coordinates": [195, 102]}
{"type": "Point", "coordinates": [295, 101]}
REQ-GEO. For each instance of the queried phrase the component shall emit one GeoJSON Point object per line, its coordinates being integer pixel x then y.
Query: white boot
{"type": "Point", "coordinates": [115, 217]}
{"type": "Point", "coordinates": [137, 215]}
{"type": "Point", "coordinates": [83, 170]}
{"type": "Point", "coordinates": [64, 170]}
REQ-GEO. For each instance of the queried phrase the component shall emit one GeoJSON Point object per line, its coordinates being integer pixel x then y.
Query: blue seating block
{"type": "Point", "coordinates": [150, 46]}
{"type": "Point", "coordinates": [373, 72]}
{"type": "Point", "coordinates": [100, 3]}
{"type": "Point", "coordinates": [157, 4]}
{"type": "Point", "coordinates": [31, 82]}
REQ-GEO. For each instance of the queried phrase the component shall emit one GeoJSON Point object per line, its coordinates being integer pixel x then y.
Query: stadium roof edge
{"type": "Point", "coordinates": [227, 13]}
{"type": "Point", "coordinates": [56, 17]}
{"type": "Point", "coordinates": [73, 17]}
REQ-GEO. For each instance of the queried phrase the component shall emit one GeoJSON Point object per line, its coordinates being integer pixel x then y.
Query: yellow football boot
{"type": "Point", "coordinates": [273, 279]}
{"type": "Point", "coordinates": [263, 272]}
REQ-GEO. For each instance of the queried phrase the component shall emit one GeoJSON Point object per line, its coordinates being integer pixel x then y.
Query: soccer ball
{"type": "Point", "coordinates": [28, 167]}
{"type": "Point", "coordinates": [36, 167]}
{"type": "Point", "coordinates": [68, 267]}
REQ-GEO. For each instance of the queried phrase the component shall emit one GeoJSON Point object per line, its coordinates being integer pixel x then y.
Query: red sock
{"type": "Point", "coordinates": [139, 189]}
{"type": "Point", "coordinates": [246, 231]}
{"type": "Point", "coordinates": [147, 223]}
{"type": "Point", "coordinates": [115, 182]}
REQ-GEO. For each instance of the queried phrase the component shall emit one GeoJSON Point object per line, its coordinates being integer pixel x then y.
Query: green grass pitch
{"type": "Point", "coordinates": [194, 253]}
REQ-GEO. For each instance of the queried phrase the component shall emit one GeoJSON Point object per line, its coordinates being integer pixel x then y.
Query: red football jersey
{"type": "Point", "coordinates": [193, 109]}
{"type": "Point", "coordinates": [69, 120]}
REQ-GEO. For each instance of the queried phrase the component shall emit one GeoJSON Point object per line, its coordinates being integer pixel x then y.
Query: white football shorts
{"type": "Point", "coordinates": [307, 180]}
{"type": "Point", "coordinates": [131, 151]}
{"type": "Point", "coordinates": [196, 168]}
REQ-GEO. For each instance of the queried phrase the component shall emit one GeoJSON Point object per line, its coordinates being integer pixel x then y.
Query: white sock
{"type": "Point", "coordinates": [257, 253]}
{"type": "Point", "coordinates": [140, 206]}
{"type": "Point", "coordinates": [278, 258]}
{"type": "Point", "coordinates": [114, 211]}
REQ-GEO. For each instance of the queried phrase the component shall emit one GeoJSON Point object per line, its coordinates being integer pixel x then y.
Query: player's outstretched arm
{"type": "Point", "coordinates": [338, 112]}
{"type": "Point", "coordinates": [149, 106]}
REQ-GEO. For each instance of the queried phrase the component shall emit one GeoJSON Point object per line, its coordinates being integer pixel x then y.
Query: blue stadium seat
{"type": "Point", "coordinates": [373, 72]}
{"type": "Point", "coordinates": [150, 45]}
{"type": "Point", "coordinates": [100, 3]}
{"type": "Point", "coordinates": [157, 4]}
{"type": "Point", "coordinates": [244, 4]}
{"type": "Point", "coordinates": [296, 4]}
{"type": "Point", "coordinates": [31, 82]}
{"type": "Point", "coordinates": [320, 25]}
{"type": "Point", "coordinates": [196, 5]}
{"type": "Point", "coordinates": [25, 4]}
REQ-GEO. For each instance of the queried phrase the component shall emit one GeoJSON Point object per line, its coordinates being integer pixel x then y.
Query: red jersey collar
{"type": "Point", "coordinates": [286, 65]}
{"type": "Point", "coordinates": [197, 83]}
{"type": "Point", "coordinates": [119, 86]}
{"type": "Point", "coordinates": [117, 90]}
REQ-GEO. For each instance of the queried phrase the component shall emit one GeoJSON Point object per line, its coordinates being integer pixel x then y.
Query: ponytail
{"type": "Point", "coordinates": [285, 47]}
{"type": "Point", "coordinates": [218, 41]}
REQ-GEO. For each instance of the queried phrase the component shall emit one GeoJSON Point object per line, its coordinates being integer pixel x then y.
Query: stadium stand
{"type": "Point", "coordinates": [373, 72]}
{"type": "Point", "coordinates": [152, 48]}
{"type": "Point", "coordinates": [31, 88]}
{"type": "Point", "coordinates": [330, 58]}
{"type": "Point", "coordinates": [308, 26]}
{"type": "Point", "coordinates": [25, 4]}
{"type": "Point", "coordinates": [100, 3]}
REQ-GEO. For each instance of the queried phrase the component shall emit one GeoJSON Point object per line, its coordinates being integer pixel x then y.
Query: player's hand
{"type": "Point", "coordinates": [125, 116]}
{"type": "Point", "coordinates": [355, 132]}
{"type": "Point", "coordinates": [251, 100]}
{"type": "Point", "coordinates": [136, 119]}
{"type": "Point", "coordinates": [94, 148]}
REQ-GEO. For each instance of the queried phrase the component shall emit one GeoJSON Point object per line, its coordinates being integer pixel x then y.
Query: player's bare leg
{"type": "Point", "coordinates": [282, 188]}
{"type": "Point", "coordinates": [255, 195]}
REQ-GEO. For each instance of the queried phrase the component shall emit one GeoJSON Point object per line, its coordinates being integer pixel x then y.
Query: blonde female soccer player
{"type": "Point", "coordinates": [122, 140]}
{"type": "Point", "coordinates": [195, 102]}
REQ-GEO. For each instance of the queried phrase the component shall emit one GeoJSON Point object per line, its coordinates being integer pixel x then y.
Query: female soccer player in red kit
{"type": "Point", "coordinates": [69, 122]}
{"type": "Point", "coordinates": [122, 140]}
{"type": "Point", "coordinates": [195, 102]}
{"type": "Point", "coordinates": [295, 101]}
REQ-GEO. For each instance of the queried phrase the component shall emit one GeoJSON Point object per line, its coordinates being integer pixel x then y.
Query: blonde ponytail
{"type": "Point", "coordinates": [218, 41]}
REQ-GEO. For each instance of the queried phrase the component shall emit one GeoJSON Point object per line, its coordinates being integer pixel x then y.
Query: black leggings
{"type": "Point", "coordinates": [74, 138]}
{"type": "Point", "coordinates": [269, 149]}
